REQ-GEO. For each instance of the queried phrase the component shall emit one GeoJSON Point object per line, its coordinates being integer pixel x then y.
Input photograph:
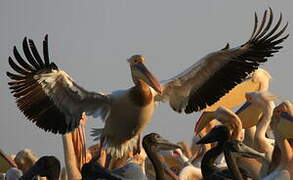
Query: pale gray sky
{"type": "Point", "coordinates": [92, 39]}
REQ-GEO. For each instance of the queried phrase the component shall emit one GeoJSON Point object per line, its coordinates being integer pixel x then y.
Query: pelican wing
{"type": "Point", "coordinates": [205, 82]}
{"type": "Point", "coordinates": [257, 81]}
{"type": "Point", "coordinates": [48, 96]}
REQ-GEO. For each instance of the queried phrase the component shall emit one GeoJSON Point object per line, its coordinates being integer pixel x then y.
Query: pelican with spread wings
{"type": "Point", "coordinates": [51, 99]}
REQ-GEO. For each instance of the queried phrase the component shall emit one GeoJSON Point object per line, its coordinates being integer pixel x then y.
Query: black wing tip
{"type": "Point", "coordinates": [24, 41]}
{"type": "Point", "coordinates": [227, 46]}
{"type": "Point", "coordinates": [51, 125]}
{"type": "Point", "coordinates": [8, 73]}
{"type": "Point", "coordinates": [32, 61]}
{"type": "Point", "coordinates": [271, 10]}
{"type": "Point", "coordinates": [267, 37]}
{"type": "Point", "coordinates": [30, 41]}
{"type": "Point", "coordinates": [53, 66]}
{"type": "Point", "coordinates": [45, 41]}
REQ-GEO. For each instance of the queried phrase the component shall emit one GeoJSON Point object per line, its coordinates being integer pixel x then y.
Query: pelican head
{"type": "Point", "coordinates": [205, 118]}
{"type": "Point", "coordinates": [285, 106]}
{"type": "Point", "coordinates": [93, 170]}
{"type": "Point", "coordinates": [239, 148]}
{"type": "Point", "coordinates": [260, 98]}
{"type": "Point", "coordinates": [219, 133]}
{"type": "Point", "coordinates": [155, 141]}
{"type": "Point", "coordinates": [222, 114]}
{"type": "Point", "coordinates": [140, 72]}
{"type": "Point", "coordinates": [251, 111]}
{"type": "Point", "coordinates": [282, 120]}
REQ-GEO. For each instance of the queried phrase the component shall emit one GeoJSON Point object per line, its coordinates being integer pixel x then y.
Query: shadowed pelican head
{"type": "Point", "coordinates": [285, 106]}
{"type": "Point", "coordinates": [217, 134]}
{"type": "Point", "coordinates": [140, 72]}
{"type": "Point", "coordinates": [154, 140]}
{"type": "Point", "coordinates": [282, 120]}
{"type": "Point", "coordinates": [243, 150]}
{"type": "Point", "coordinates": [221, 133]}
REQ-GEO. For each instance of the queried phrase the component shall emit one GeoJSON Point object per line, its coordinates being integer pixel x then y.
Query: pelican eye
{"type": "Point", "coordinates": [277, 111]}
{"type": "Point", "coordinates": [157, 137]}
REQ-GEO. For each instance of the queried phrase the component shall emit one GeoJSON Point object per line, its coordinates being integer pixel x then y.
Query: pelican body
{"type": "Point", "coordinates": [134, 108]}
{"type": "Point", "coordinates": [282, 115]}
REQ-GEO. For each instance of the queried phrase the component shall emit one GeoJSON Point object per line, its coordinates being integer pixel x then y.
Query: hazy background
{"type": "Point", "coordinates": [91, 41]}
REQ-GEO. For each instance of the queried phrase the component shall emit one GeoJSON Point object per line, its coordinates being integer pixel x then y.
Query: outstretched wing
{"type": "Point", "coordinates": [205, 82]}
{"type": "Point", "coordinates": [48, 96]}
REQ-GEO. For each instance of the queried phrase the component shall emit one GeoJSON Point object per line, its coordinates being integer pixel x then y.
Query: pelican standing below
{"type": "Point", "coordinates": [51, 99]}
{"type": "Point", "coordinates": [282, 123]}
{"type": "Point", "coordinates": [227, 144]}
{"type": "Point", "coordinates": [264, 100]}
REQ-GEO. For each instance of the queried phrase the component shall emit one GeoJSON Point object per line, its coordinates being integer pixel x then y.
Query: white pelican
{"type": "Point", "coordinates": [265, 101]}
{"type": "Point", "coordinates": [257, 112]}
{"type": "Point", "coordinates": [51, 99]}
{"type": "Point", "coordinates": [263, 77]}
{"type": "Point", "coordinates": [285, 106]}
{"type": "Point", "coordinates": [282, 124]}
